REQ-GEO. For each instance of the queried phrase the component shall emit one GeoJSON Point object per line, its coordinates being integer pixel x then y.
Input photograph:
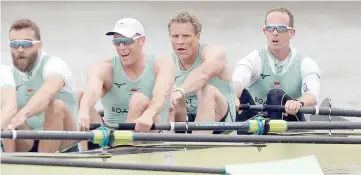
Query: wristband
{"type": "Point", "coordinates": [181, 90]}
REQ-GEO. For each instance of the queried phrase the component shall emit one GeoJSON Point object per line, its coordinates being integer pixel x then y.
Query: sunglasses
{"type": "Point", "coordinates": [23, 43]}
{"type": "Point", "coordinates": [124, 40]}
{"type": "Point", "coordinates": [279, 28]}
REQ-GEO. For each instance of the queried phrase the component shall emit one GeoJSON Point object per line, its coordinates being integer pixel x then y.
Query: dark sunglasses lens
{"type": "Point", "coordinates": [282, 28]}
{"type": "Point", "coordinates": [278, 28]}
{"type": "Point", "coordinates": [125, 41]}
{"type": "Point", "coordinates": [24, 44]}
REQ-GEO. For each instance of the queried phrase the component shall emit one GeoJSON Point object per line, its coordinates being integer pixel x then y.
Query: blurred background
{"type": "Point", "coordinates": [329, 32]}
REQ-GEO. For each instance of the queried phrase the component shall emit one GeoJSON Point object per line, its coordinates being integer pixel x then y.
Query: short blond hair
{"type": "Point", "coordinates": [184, 16]}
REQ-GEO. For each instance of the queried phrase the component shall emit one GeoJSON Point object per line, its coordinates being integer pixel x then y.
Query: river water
{"type": "Point", "coordinates": [329, 32]}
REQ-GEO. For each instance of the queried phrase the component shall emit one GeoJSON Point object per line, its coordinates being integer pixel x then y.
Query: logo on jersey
{"type": "Point", "coordinates": [264, 76]}
{"type": "Point", "coordinates": [176, 78]}
{"type": "Point", "coordinates": [121, 84]}
{"type": "Point", "coordinates": [17, 87]}
{"type": "Point", "coordinates": [30, 92]}
{"type": "Point", "coordinates": [305, 87]}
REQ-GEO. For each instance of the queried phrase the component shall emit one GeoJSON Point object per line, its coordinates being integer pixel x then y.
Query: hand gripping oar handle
{"type": "Point", "coordinates": [306, 110]}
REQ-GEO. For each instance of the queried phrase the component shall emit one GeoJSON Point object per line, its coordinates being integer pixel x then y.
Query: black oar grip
{"type": "Point", "coordinates": [94, 126]}
{"type": "Point", "coordinates": [274, 108]}
{"type": "Point", "coordinates": [119, 126]}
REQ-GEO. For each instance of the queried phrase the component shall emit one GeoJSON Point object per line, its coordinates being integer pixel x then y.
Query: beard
{"type": "Point", "coordinates": [25, 63]}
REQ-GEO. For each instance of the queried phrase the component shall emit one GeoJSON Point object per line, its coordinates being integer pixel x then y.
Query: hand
{"type": "Point", "coordinates": [143, 123]}
{"type": "Point", "coordinates": [237, 103]}
{"type": "Point", "coordinates": [84, 122]}
{"type": "Point", "coordinates": [176, 96]}
{"type": "Point", "coordinates": [18, 120]}
{"type": "Point", "coordinates": [292, 107]}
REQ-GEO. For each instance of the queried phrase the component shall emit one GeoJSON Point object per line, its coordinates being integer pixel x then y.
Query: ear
{"type": "Point", "coordinates": [292, 33]}
{"type": "Point", "coordinates": [198, 35]}
{"type": "Point", "coordinates": [40, 45]}
{"type": "Point", "coordinates": [264, 31]}
{"type": "Point", "coordinates": [142, 41]}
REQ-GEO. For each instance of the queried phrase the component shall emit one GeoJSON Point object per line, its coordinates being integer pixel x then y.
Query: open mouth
{"type": "Point", "coordinates": [181, 49]}
{"type": "Point", "coordinates": [125, 55]}
{"type": "Point", "coordinates": [275, 41]}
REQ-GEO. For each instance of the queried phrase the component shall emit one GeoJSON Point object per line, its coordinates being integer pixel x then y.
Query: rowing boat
{"type": "Point", "coordinates": [331, 158]}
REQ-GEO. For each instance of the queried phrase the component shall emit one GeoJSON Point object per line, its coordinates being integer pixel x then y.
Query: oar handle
{"type": "Point", "coordinates": [118, 126]}
{"type": "Point", "coordinates": [306, 110]}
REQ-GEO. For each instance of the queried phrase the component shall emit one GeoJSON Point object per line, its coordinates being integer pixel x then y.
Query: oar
{"type": "Point", "coordinates": [306, 110]}
{"type": "Point", "coordinates": [105, 138]}
{"type": "Point", "coordinates": [250, 125]}
{"type": "Point", "coordinates": [108, 165]}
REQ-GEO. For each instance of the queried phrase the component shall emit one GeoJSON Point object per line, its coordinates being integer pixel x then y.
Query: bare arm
{"type": "Point", "coordinates": [42, 98]}
{"type": "Point", "coordinates": [213, 65]}
{"type": "Point", "coordinates": [8, 105]}
{"type": "Point", "coordinates": [96, 81]}
{"type": "Point", "coordinates": [165, 73]}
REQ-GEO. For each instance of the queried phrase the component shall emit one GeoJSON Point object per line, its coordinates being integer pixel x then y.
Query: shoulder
{"type": "Point", "coordinates": [5, 69]}
{"type": "Point", "coordinates": [102, 68]}
{"type": "Point", "coordinates": [214, 52]}
{"type": "Point", "coordinates": [309, 65]}
{"type": "Point", "coordinates": [166, 62]}
{"type": "Point", "coordinates": [250, 58]}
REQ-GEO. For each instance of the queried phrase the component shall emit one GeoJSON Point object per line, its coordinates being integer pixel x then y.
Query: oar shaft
{"type": "Point", "coordinates": [306, 110]}
{"type": "Point", "coordinates": [47, 135]}
{"type": "Point", "coordinates": [243, 138]}
{"type": "Point", "coordinates": [127, 137]}
{"type": "Point", "coordinates": [108, 165]}
{"type": "Point", "coordinates": [244, 126]}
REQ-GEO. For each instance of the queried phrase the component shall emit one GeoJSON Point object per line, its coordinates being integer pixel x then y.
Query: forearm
{"type": "Point", "coordinates": [38, 103]}
{"type": "Point", "coordinates": [194, 82]}
{"type": "Point", "coordinates": [7, 112]}
{"type": "Point", "coordinates": [88, 101]}
{"type": "Point", "coordinates": [156, 105]}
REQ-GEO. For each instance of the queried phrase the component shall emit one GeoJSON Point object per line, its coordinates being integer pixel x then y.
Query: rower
{"type": "Point", "coordinates": [45, 98]}
{"type": "Point", "coordinates": [277, 74]}
{"type": "Point", "coordinates": [134, 87]}
{"type": "Point", "coordinates": [204, 89]}
{"type": "Point", "coordinates": [8, 106]}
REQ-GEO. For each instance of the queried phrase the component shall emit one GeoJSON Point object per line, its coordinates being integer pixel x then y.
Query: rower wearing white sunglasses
{"type": "Point", "coordinates": [134, 87]}
{"type": "Point", "coordinates": [44, 94]}
{"type": "Point", "coordinates": [278, 74]}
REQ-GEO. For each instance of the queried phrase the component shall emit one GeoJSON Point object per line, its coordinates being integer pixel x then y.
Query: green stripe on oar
{"type": "Point", "coordinates": [108, 165]}
{"type": "Point", "coordinates": [305, 110]}
{"type": "Point", "coordinates": [127, 137]}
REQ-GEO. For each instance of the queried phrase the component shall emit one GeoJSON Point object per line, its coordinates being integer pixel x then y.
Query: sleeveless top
{"type": "Point", "coordinates": [116, 100]}
{"type": "Point", "coordinates": [289, 80]}
{"type": "Point", "coordinates": [27, 85]}
{"type": "Point", "coordinates": [226, 88]}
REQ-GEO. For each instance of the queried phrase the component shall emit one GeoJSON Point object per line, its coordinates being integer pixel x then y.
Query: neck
{"type": "Point", "coordinates": [138, 66]}
{"type": "Point", "coordinates": [189, 61]}
{"type": "Point", "coordinates": [280, 54]}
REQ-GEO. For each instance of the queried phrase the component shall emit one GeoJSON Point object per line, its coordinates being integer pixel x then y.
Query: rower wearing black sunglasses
{"type": "Point", "coordinates": [134, 87]}
{"type": "Point", "coordinates": [277, 74]}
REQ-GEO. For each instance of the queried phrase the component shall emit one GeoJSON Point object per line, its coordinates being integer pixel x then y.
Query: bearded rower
{"type": "Point", "coordinates": [278, 74]}
{"type": "Point", "coordinates": [134, 87]}
{"type": "Point", "coordinates": [8, 106]}
{"type": "Point", "coordinates": [45, 98]}
{"type": "Point", "coordinates": [204, 89]}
